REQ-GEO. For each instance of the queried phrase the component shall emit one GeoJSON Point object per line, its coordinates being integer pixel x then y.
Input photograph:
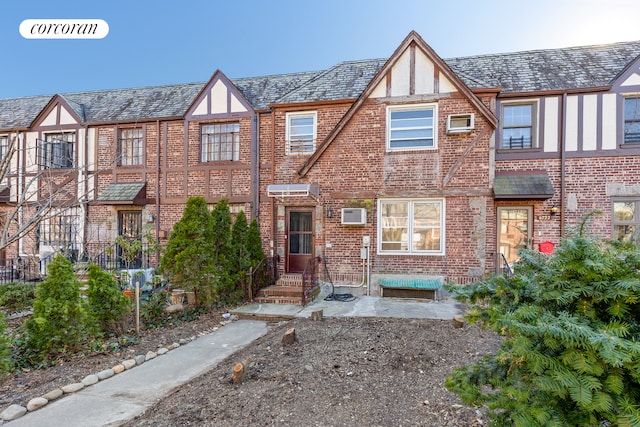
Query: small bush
{"type": "Point", "coordinates": [107, 304]}
{"type": "Point", "coordinates": [152, 311]}
{"type": "Point", "coordinates": [6, 363]}
{"type": "Point", "coordinates": [59, 324]}
{"type": "Point", "coordinates": [16, 297]}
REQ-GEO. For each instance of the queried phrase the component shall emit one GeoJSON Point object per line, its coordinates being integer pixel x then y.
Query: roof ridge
{"type": "Point", "coordinates": [557, 49]}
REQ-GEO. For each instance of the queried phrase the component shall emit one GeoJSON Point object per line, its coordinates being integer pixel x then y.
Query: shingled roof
{"type": "Point", "coordinates": [529, 71]}
{"type": "Point", "coordinates": [545, 70]}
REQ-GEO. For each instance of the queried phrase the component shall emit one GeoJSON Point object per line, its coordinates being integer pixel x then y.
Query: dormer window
{"type": "Point", "coordinates": [57, 150]}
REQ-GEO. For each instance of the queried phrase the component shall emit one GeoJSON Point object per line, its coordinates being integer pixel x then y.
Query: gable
{"type": "Point", "coordinates": [420, 73]}
{"type": "Point", "coordinates": [629, 79]}
{"type": "Point", "coordinates": [57, 113]}
{"type": "Point", "coordinates": [414, 73]}
{"type": "Point", "coordinates": [632, 80]}
{"type": "Point", "coordinates": [218, 98]}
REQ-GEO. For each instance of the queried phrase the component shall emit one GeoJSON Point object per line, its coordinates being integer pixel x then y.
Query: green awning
{"type": "Point", "coordinates": [523, 185]}
{"type": "Point", "coordinates": [124, 194]}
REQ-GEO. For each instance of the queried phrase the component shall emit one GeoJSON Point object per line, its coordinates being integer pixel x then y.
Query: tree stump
{"type": "Point", "coordinates": [289, 336]}
{"type": "Point", "coordinates": [316, 315]}
{"type": "Point", "coordinates": [458, 322]}
{"type": "Point", "coordinates": [238, 371]}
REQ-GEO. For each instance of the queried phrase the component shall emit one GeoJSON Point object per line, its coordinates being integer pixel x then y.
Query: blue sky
{"type": "Point", "coordinates": [167, 42]}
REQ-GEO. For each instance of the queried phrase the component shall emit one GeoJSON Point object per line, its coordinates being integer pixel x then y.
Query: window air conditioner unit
{"type": "Point", "coordinates": [460, 123]}
{"type": "Point", "coordinates": [354, 216]}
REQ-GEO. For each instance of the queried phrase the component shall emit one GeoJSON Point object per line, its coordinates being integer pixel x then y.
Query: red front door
{"type": "Point", "coordinates": [299, 239]}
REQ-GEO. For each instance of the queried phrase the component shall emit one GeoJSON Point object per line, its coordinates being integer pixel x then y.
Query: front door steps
{"type": "Point", "coordinates": [288, 289]}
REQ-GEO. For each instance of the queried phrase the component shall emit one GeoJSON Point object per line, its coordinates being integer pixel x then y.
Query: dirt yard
{"type": "Point", "coordinates": [339, 372]}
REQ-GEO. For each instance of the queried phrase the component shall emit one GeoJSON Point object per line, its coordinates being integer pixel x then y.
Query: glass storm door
{"type": "Point", "coordinates": [299, 240]}
{"type": "Point", "coordinates": [514, 233]}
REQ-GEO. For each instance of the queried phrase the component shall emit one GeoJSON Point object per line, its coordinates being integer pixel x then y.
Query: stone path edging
{"type": "Point", "coordinates": [15, 410]}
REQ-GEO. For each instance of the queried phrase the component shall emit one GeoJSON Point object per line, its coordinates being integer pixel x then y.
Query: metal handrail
{"type": "Point", "coordinates": [506, 263]}
{"type": "Point", "coordinates": [310, 278]}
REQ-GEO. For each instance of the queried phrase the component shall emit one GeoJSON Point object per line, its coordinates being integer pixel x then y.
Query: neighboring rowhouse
{"type": "Point", "coordinates": [408, 167]}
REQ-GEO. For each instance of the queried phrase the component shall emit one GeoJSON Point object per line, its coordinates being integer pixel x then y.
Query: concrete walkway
{"type": "Point", "coordinates": [362, 306]}
{"type": "Point", "coordinates": [118, 399]}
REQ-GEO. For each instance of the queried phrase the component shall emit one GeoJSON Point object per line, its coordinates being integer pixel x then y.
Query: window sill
{"type": "Point", "coordinates": [627, 145]}
{"type": "Point", "coordinates": [518, 150]}
{"type": "Point", "coordinates": [412, 254]}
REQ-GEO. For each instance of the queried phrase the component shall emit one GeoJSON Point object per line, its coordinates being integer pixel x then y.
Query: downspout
{"type": "Point", "coordinates": [255, 166]}
{"type": "Point", "coordinates": [274, 213]}
{"type": "Point", "coordinates": [562, 162]}
{"type": "Point", "coordinates": [21, 185]}
{"type": "Point", "coordinates": [158, 141]}
{"type": "Point", "coordinates": [85, 204]}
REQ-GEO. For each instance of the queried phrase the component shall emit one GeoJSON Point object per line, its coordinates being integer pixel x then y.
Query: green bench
{"type": "Point", "coordinates": [410, 288]}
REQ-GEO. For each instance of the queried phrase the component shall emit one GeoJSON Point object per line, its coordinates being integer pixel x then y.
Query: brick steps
{"type": "Point", "coordinates": [287, 290]}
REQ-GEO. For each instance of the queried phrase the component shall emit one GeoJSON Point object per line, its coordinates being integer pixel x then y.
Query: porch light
{"type": "Point", "coordinates": [554, 210]}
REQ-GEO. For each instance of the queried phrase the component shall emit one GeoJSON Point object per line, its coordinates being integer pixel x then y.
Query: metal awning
{"type": "Point", "coordinates": [292, 190]}
{"type": "Point", "coordinates": [523, 185]}
{"type": "Point", "coordinates": [124, 194]}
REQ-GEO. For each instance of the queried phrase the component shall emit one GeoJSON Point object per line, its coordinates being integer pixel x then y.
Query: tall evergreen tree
{"type": "Point", "coordinates": [188, 259]}
{"type": "Point", "coordinates": [224, 280]}
{"type": "Point", "coordinates": [240, 261]}
{"type": "Point", "coordinates": [254, 244]}
{"type": "Point", "coordinates": [571, 353]}
{"type": "Point", "coordinates": [221, 225]}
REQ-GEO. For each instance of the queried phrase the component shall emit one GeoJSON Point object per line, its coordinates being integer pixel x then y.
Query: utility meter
{"type": "Point", "coordinates": [366, 241]}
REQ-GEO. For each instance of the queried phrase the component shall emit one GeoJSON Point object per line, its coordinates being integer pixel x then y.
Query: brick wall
{"type": "Point", "coordinates": [356, 169]}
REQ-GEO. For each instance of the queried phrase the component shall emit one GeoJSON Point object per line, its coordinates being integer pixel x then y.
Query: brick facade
{"type": "Point", "coordinates": [587, 165]}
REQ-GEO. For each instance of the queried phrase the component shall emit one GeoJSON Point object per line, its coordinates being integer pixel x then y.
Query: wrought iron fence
{"type": "Point", "coordinates": [22, 269]}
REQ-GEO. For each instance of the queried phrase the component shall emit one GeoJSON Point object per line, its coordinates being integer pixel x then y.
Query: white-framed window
{"type": "Point", "coordinates": [412, 127]}
{"type": "Point", "coordinates": [131, 148]}
{"type": "Point", "coordinates": [301, 134]}
{"type": "Point", "coordinates": [519, 125]}
{"type": "Point", "coordinates": [57, 150]}
{"type": "Point", "coordinates": [4, 146]}
{"type": "Point", "coordinates": [411, 226]}
{"type": "Point", "coordinates": [632, 119]}
{"type": "Point", "coordinates": [61, 229]}
{"type": "Point", "coordinates": [625, 220]}
{"type": "Point", "coordinates": [220, 142]}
